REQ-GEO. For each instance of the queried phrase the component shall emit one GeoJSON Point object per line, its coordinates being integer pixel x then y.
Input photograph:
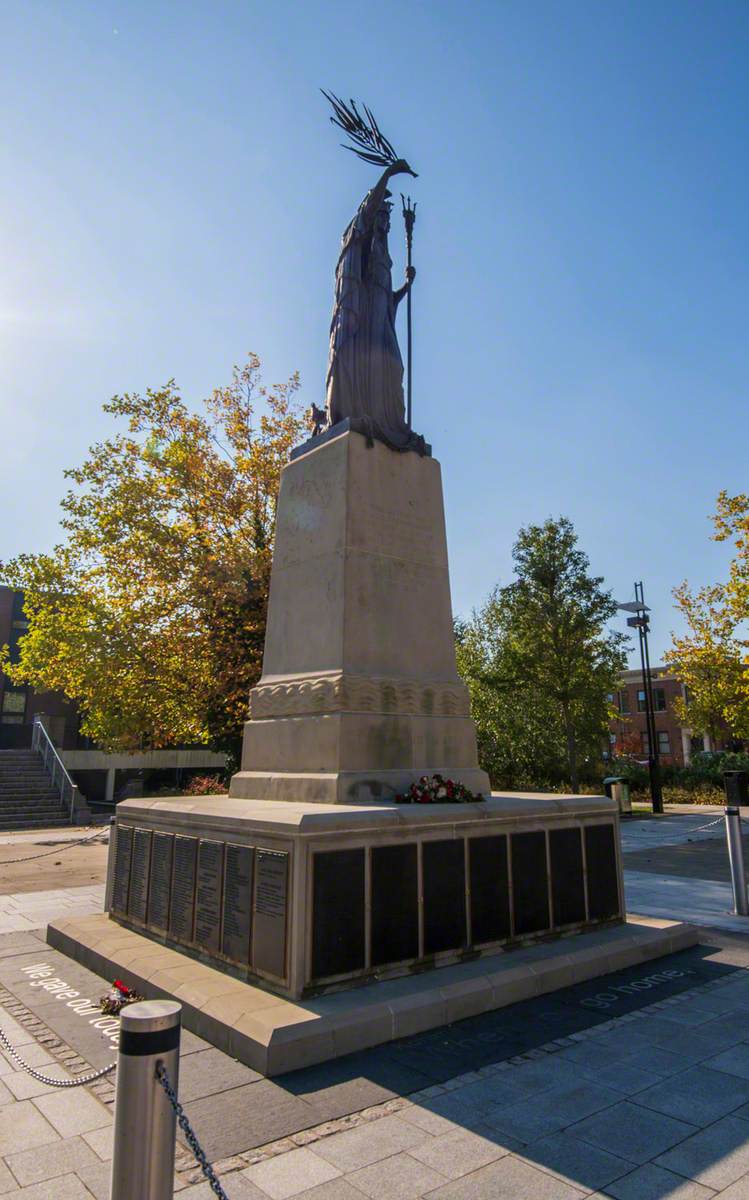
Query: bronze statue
{"type": "Point", "coordinates": [365, 368]}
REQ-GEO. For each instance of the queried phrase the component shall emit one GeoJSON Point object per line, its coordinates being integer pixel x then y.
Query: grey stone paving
{"type": "Point", "coordinates": [635, 1087]}
{"type": "Point", "coordinates": [611, 1112]}
{"type": "Point", "coordinates": [31, 910]}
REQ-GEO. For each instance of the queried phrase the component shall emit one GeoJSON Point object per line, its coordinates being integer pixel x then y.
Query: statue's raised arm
{"type": "Point", "coordinates": [365, 369]}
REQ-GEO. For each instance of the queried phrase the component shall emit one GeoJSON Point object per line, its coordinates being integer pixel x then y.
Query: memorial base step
{"type": "Point", "coordinates": [274, 1035]}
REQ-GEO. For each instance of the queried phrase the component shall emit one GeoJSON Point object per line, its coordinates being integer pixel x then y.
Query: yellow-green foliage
{"type": "Point", "coordinates": [712, 657]}
{"type": "Point", "coordinates": [151, 613]}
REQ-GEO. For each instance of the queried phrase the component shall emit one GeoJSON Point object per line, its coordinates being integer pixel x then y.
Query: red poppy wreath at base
{"type": "Point", "coordinates": [438, 790]}
{"type": "Point", "coordinates": [117, 997]}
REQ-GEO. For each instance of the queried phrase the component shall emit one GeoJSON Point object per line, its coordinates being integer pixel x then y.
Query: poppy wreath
{"type": "Point", "coordinates": [117, 997]}
{"type": "Point", "coordinates": [438, 790]}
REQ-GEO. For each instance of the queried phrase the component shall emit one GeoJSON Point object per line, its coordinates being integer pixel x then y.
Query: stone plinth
{"type": "Point", "coordinates": [360, 693]}
{"type": "Point", "coordinates": [274, 1035]}
{"type": "Point", "coordinates": [306, 898]}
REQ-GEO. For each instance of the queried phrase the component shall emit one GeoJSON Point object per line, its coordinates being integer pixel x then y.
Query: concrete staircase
{"type": "Point", "coordinates": [27, 799]}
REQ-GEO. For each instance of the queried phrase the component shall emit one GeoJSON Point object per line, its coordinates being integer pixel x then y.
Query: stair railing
{"type": "Point", "coordinates": [55, 767]}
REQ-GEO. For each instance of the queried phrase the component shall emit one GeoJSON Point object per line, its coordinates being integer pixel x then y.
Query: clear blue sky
{"type": "Point", "coordinates": [173, 196]}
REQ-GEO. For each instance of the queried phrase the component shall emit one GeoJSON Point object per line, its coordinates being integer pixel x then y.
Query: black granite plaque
{"type": "Point", "coordinates": [208, 894]}
{"type": "Point", "coordinates": [123, 853]}
{"type": "Point", "coordinates": [444, 887]}
{"type": "Point", "coordinates": [269, 922]}
{"type": "Point", "coordinates": [490, 896]}
{"type": "Point", "coordinates": [161, 880]}
{"type": "Point", "coordinates": [337, 912]}
{"type": "Point", "coordinates": [182, 906]}
{"type": "Point", "coordinates": [237, 909]}
{"type": "Point", "coordinates": [567, 883]}
{"type": "Point", "coordinates": [139, 874]}
{"type": "Point", "coordinates": [395, 904]}
{"type": "Point", "coordinates": [530, 883]}
{"type": "Point", "coordinates": [603, 884]}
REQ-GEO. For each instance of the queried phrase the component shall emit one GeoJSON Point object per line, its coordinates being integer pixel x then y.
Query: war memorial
{"type": "Point", "coordinates": [317, 909]}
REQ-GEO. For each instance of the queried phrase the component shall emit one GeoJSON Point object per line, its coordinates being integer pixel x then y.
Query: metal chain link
{"type": "Point", "coordinates": [684, 836]}
{"type": "Point", "coordinates": [7, 862]}
{"type": "Point", "coordinates": [187, 1129]}
{"type": "Point", "coordinates": [79, 1081]}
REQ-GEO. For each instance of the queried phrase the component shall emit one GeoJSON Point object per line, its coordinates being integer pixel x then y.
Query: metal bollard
{"type": "Point", "coordinates": [736, 859]}
{"type": "Point", "coordinates": [144, 1120]}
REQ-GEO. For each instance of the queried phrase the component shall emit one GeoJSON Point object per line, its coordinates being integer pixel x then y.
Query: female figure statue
{"type": "Point", "coordinates": [365, 369]}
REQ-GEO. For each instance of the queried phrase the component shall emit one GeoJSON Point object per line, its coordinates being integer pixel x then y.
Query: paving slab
{"type": "Point", "coordinates": [97, 1178]}
{"type": "Point", "coordinates": [458, 1152]}
{"type": "Point", "coordinates": [47, 1162]}
{"type": "Point", "coordinates": [734, 1061]}
{"type": "Point", "coordinates": [400, 1177]}
{"type": "Point", "coordinates": [507, 1179]}
{"type": "Point", "coordinates": [65, 1187]}
{"type": "Point", "coordinates": [550, 1111]}
{"type": "Point", "coordinates": [206, 1072]}
{"type": "Point", "coordinates": [7, 1181]}
{"type": "Point", "coordinates": [716, 1156]}
{"type": "Point", "coordinates": [699, 1095]}
{"type": "Point", "coordinates": [360, 1147]}
{"type": "Point", "coordinates": [101, 1142]}
{"type": "Point", "coordinates": [247, 1116]}
{"type": "Point", "coordinates": [23, 1127]}
{"type": "Point", "coordinates": [644, 1132]}
{"type": "Point", "coordinates": [73, 1111]}
{"type": "Point", "coordinates": [291, 1173]}
{"type": "Point", "coordinates": [623, 1077]}
{"type": "Point", "coordinates": [240, 1189]}
{"type": "Point", "coordinates": [735, 1191]}
{"type": "Point", "coordinates": [576, 1162]}
{"type": "Point", "coordinates": [653, 1183]}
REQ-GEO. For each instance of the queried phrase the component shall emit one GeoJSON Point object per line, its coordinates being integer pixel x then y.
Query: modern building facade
{"type": "Point", "coordinates": [101, 777]}
{"type": "Point", "coordinates": [19, 704]}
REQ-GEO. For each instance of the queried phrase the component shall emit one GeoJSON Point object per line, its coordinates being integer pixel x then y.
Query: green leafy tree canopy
{"type": "Point", "coordinates": [541, 661]}
{"type": "Point", "coordinates": [151, 613]}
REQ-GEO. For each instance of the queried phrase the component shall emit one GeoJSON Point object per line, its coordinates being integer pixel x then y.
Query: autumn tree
{"type": "Point", "coordinates": [712, 657]}
{"type": "Point", "coordinates": [540, 661]}
{"type": "Point", "coordinates": [151, 613]}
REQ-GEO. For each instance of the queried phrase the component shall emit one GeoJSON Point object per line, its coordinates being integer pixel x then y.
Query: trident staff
{"type": "Point", "coordinates": [409, 218]}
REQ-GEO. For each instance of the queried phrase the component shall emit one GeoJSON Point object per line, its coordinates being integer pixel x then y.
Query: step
{"type": "Point", "coordinates": [37, 790]}
{"type": "Point", "coordinates": [15, 772]}
{"type": "Point", "coordinates": [25, 780]}
{"type": "Point", "coordinates": [48, 796]}
{"type": "Point", "coordinates": [30, 810]}
{"type": "Point", "coordinates": [31, 794]}
{"type": "Point", "coordinates": [33, 813]}
{"type": "Point", "coordinates": [49, 823]}
{"type": "Point", "coordinates": [295, 1033]}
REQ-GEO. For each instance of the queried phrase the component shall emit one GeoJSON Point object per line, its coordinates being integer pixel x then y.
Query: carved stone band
{"type": "Point", "coordinates": [357, 693]}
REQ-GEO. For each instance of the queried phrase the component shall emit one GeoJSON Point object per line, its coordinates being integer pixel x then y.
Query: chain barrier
{"type": "Point", "coordinates": [684, 836]}
{"type": "Point", "coordinates": [190, 1136]}
{"type": "Point", "coordinates": [7, 862]}
{"type": "Point", "coordinates": [79, 1081]}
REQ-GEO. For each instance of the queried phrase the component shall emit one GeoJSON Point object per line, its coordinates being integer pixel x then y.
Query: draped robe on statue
{"type": "Point", "coordinates": [365, 368]}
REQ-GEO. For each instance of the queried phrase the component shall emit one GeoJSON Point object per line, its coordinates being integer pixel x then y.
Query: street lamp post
{"type": "Point", "coordinates": [640, 621]}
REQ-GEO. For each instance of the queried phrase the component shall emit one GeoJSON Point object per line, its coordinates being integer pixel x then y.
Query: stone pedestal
{"type": "Point", "coordinates": [360, 694]}
{"type": "Point", "coordinates": [247, 901]}
{"type": "Point", "coordinates": [309, 898]}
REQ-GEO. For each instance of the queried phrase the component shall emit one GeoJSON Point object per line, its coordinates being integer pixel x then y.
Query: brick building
{"type": "Point", "coordinates": [629, 730]}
